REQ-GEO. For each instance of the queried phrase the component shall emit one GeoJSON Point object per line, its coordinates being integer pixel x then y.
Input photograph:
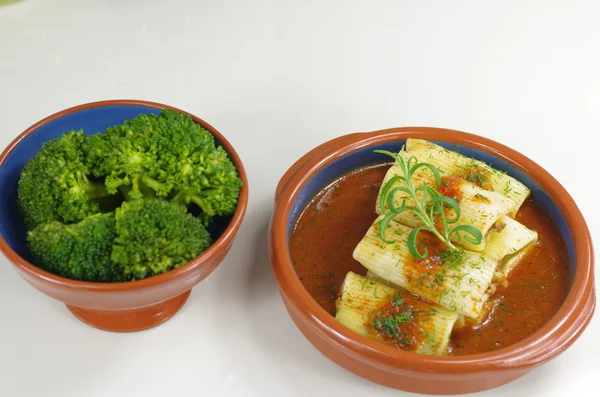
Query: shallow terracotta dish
{"type": "Point", "coordinates": [128, 306]}
{"type": "Point", "coordinates": [408, 371]}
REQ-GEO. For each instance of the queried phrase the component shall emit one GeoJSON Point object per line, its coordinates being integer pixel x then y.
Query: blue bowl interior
{"type": "Point", "coordinates": [91, 121]}
{"type": "Point", "coordinates": [366, 156]}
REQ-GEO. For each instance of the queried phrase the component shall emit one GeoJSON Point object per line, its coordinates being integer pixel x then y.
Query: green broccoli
{"type": "Point", "coordinates": [54, 184]}
{"type": "Point", "coordinates": [155, 236]}
{"type": "Point", "coordinates": [143, 238]}
{"type": "Point", "coordinates": [211, 183]}
{"type": "Point", "coordinates": [126, 156]}
{"type": "Point", "coordinates": [114, 206]}
{"type": "Point", "coordinates": [166, 156]}
{"type": "Point", "coordinates": [200, 171]}
{"type": "Point", "coordinates": [79, 251]}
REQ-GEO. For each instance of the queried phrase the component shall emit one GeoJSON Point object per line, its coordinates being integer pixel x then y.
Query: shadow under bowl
{"type": "Point", "coordinates": [409, 371]}
{"type": "Point", "coordinates": [124, 306]}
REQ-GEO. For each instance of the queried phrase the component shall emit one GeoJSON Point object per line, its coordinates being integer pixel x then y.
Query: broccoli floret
{"type": "Point", "coordinates": [127, 155]}
{"type": "Point", "coordinates": [167, 156]}
{"type": "Point", "coordinates": [145, 237]}
{"type": "Point", "coordinates": [200, 171]}
{"type": "Point", "coordinates": [79, 251]}
{"type": "Point", "coordinates": [54, 185]}
{"type": "Point", "coordinates": [155, 236]}
{"type": "Point", "coordinates": [211, 182]}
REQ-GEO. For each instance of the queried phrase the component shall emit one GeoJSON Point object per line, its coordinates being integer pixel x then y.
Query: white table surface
{"type": "Point", "coordinates": [278, 78]}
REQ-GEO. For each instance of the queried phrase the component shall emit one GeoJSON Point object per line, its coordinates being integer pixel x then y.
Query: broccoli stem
{"type": "Point", "coordinates": [181, 198]}
{"type": "Point", "coordinates": [146, 181]}
{"type": "Point", "coordinates": [131, 192]}
{"type": "Point", "coordinates": [196, 196]}
{"type": "Point", "coordinates": [95, 190]}
{"type": "Point", "coordinates": [141, 186]}
{"type": "Point", "coordinates": [206, 208]}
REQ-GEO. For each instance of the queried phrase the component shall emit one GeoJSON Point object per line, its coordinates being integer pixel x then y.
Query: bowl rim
{"type": "Point", "coordinates": [550, 340]}
{"type": "Point", "coordinates": [204, 258]}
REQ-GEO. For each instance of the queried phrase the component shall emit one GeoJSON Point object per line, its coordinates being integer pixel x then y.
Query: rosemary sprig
{"type": "Point", "coordinates": [429, 205]}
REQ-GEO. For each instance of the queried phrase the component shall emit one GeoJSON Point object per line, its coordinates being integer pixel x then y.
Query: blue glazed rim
{"type": "Point", "coordinates": [333, 158]}
{"type": "Point", "coordinates": [127, 108]}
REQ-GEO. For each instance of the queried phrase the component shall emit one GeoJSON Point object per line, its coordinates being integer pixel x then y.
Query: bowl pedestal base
{"type": "Point", "coordinates": [131, 320]}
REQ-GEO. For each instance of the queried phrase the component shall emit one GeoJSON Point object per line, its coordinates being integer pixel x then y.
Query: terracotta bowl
{"type": "Point", "coordinates": [127, 306]}
{"type": "Point", "coordinates": [408, 371]}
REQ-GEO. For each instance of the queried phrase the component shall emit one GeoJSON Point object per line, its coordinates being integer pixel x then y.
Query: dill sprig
{"type": "Point", "coordinates": [389, 324]}
{"type": "Point", "coordinates": [429, 205]}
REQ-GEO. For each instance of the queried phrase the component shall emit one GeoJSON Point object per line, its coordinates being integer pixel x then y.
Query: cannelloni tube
{"type": "Point", "coordinates": [393, 316]}
{"type": "Point", "coordinates": [458, 284]}
{"type": "Point", "coordinates": [477, 172]}
{"type": "Point", "coordinates": [479, 207]}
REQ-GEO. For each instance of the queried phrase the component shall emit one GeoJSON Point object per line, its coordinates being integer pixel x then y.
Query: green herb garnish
{"type": "Point", "coordinates": [397, 300]}
{"type": "Point", "coordinates": [453, 258]}
{"type": "Point", "coordinates": [389, 324]}
{"type": "Point", "coordinates": [431, 205]}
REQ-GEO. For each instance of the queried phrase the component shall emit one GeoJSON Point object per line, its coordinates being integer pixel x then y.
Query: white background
{"type": "Point", "coordinates": [277, 78]}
